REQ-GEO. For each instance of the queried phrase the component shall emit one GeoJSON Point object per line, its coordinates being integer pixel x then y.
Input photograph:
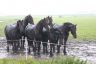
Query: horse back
{"type": "Point", "coordinates": [11, 32]}
{"type": "Point", "coordinates": [30, 31]}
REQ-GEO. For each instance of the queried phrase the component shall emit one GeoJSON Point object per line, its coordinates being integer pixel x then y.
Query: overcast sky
{"type": "Point", "coordinates": [47, 7]}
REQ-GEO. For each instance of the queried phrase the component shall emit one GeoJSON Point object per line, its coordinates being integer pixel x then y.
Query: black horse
{"type": "Point", "coordinates": [11, 30]}
{"type": "Point", "coordinates": [45, 37]}
{"type": "Point", "coordinates": [59, 33]}
{"type": "Point", "coordinates": [54, 36]}
{"type": "Point", "coordinates": [25, 21]}
{"type": "Point", "coordinates": [34, 32]}
{"type": "Point", "coordinates": [13, 34]}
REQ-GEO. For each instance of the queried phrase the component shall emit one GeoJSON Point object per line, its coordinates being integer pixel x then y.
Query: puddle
{"type": "Point", "coordinates": [85, 50]}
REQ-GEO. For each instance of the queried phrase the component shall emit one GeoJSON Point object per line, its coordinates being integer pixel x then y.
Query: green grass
{"type": "Point", "coordinates": [57, 60]}
{"type": "Point", "coordinates": [86, 24]}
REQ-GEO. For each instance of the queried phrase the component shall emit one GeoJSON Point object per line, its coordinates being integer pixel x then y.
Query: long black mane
{"type": "Point", "coordinates": [39, 26]}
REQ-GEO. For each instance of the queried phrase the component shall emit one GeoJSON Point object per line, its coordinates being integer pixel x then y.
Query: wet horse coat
{"type": "Point", "coordinates": [28, 19]}
{"type": "Point", "coordinates": [63, 33]}
{"type": "Point", "coordinates": [13, 34]}
{"type": "Point", "coordinates": [35, 33]}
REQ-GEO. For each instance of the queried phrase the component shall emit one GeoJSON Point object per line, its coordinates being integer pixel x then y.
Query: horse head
{"type": "Point", "coordinates": [28, 19]}
{"type": "Point", "coordinates": [47, 23]}
{"type": "Point", "coordinates": [50, 21]}
{"type": "Point", "coordinates": [73, 30]}
{"type": "Point", "coordinates": [20, 26]}
{"type": "Point", "coordinates": [70, 27]}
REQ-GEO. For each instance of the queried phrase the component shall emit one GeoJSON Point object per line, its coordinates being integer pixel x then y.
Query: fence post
{"type": "Point", "coordinates": [26, 47]}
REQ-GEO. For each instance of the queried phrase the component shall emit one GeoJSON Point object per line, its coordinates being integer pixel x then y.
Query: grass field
{"type": "Point", "coordinates": [57, 60]}
{"type": "Point", "coordinates": [86, 24]}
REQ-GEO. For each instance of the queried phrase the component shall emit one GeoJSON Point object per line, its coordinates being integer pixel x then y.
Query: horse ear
{"type": "Point", "coordinates": [18, 22]}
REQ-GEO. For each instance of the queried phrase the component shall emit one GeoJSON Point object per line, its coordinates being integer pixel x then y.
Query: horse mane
{"type": "Point", "coordinates": [17, 25]}
{"type": "Point", "coordinates": [39, 24]}
{"type": "Point", "coordinates": [50, 18]}
{"type": "Point", "coordinates": [67, 24]}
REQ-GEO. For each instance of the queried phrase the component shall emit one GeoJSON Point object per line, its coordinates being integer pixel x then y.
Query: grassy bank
{"type": "Point", "coordinates": [86, 24]}
{"type": "Point", "coordinates": [57, 60]}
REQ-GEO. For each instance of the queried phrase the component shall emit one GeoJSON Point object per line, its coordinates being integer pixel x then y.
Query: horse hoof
{"type": "Point", "coordinates": [51, 55]}
{"type": "Point", "coordinates": [65, 53]}
{"type": "Point", "coordinates": [7, 50]}
{"type": "Point", "coordinates": [57, 53]}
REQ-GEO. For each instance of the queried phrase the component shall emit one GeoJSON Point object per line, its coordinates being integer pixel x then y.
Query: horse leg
{"type": "Point", "coordinates": [39, 48]}
{"type": "Point", "coordinates": [46, 48]}
{"type": "Point", "coordinates": [58, 49]}
{"type": "Point", "coordinates": [60, 42]}
{"type": "Point", "coordinates": [14, 47]}
{"type": "Point", "coordinates": [65, 40]}
{"type": "Point", "coordinates": [29, 42]}
{"type": "Point", "coordinates": [43, 48]}
{"type": "Point", "coordinates": [29, 50]}
{"type": "Point", "coordinates": [8, 46]}
{"type": "Point", "coordinates": [45, 51]}
{"type": "Point", "coordinates": [17, 45]}
{"type": "Point", "coordinates": [35, 48]}
{"type": "Point", "coordinates": [23, 42]}
{"type": "Point", "coordinates": [51, 50]}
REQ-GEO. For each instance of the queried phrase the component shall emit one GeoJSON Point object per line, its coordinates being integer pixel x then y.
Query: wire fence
{"type": "Point", "coordinates": [4, 43]}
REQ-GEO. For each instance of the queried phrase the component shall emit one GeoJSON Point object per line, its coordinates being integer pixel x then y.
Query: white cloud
{"type": "Point", "coordinates": [47, 7]}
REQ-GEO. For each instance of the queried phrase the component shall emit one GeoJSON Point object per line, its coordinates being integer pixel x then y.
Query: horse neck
{"type": "Point", "coordinates": [17, 29]}
{"type": "Point", "coordinates": [66, 30]}
{"type": "Point", "coordinates": [24, 23]}
{"type": "Point", "coordinates": [39, 26]}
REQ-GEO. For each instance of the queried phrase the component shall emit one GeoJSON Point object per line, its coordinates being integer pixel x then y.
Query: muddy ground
{"type": "Point", "coordinates": [85, 49]}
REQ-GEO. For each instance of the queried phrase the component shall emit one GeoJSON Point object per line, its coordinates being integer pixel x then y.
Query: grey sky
{"type": "Point", "coordinates": [47, 7]}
